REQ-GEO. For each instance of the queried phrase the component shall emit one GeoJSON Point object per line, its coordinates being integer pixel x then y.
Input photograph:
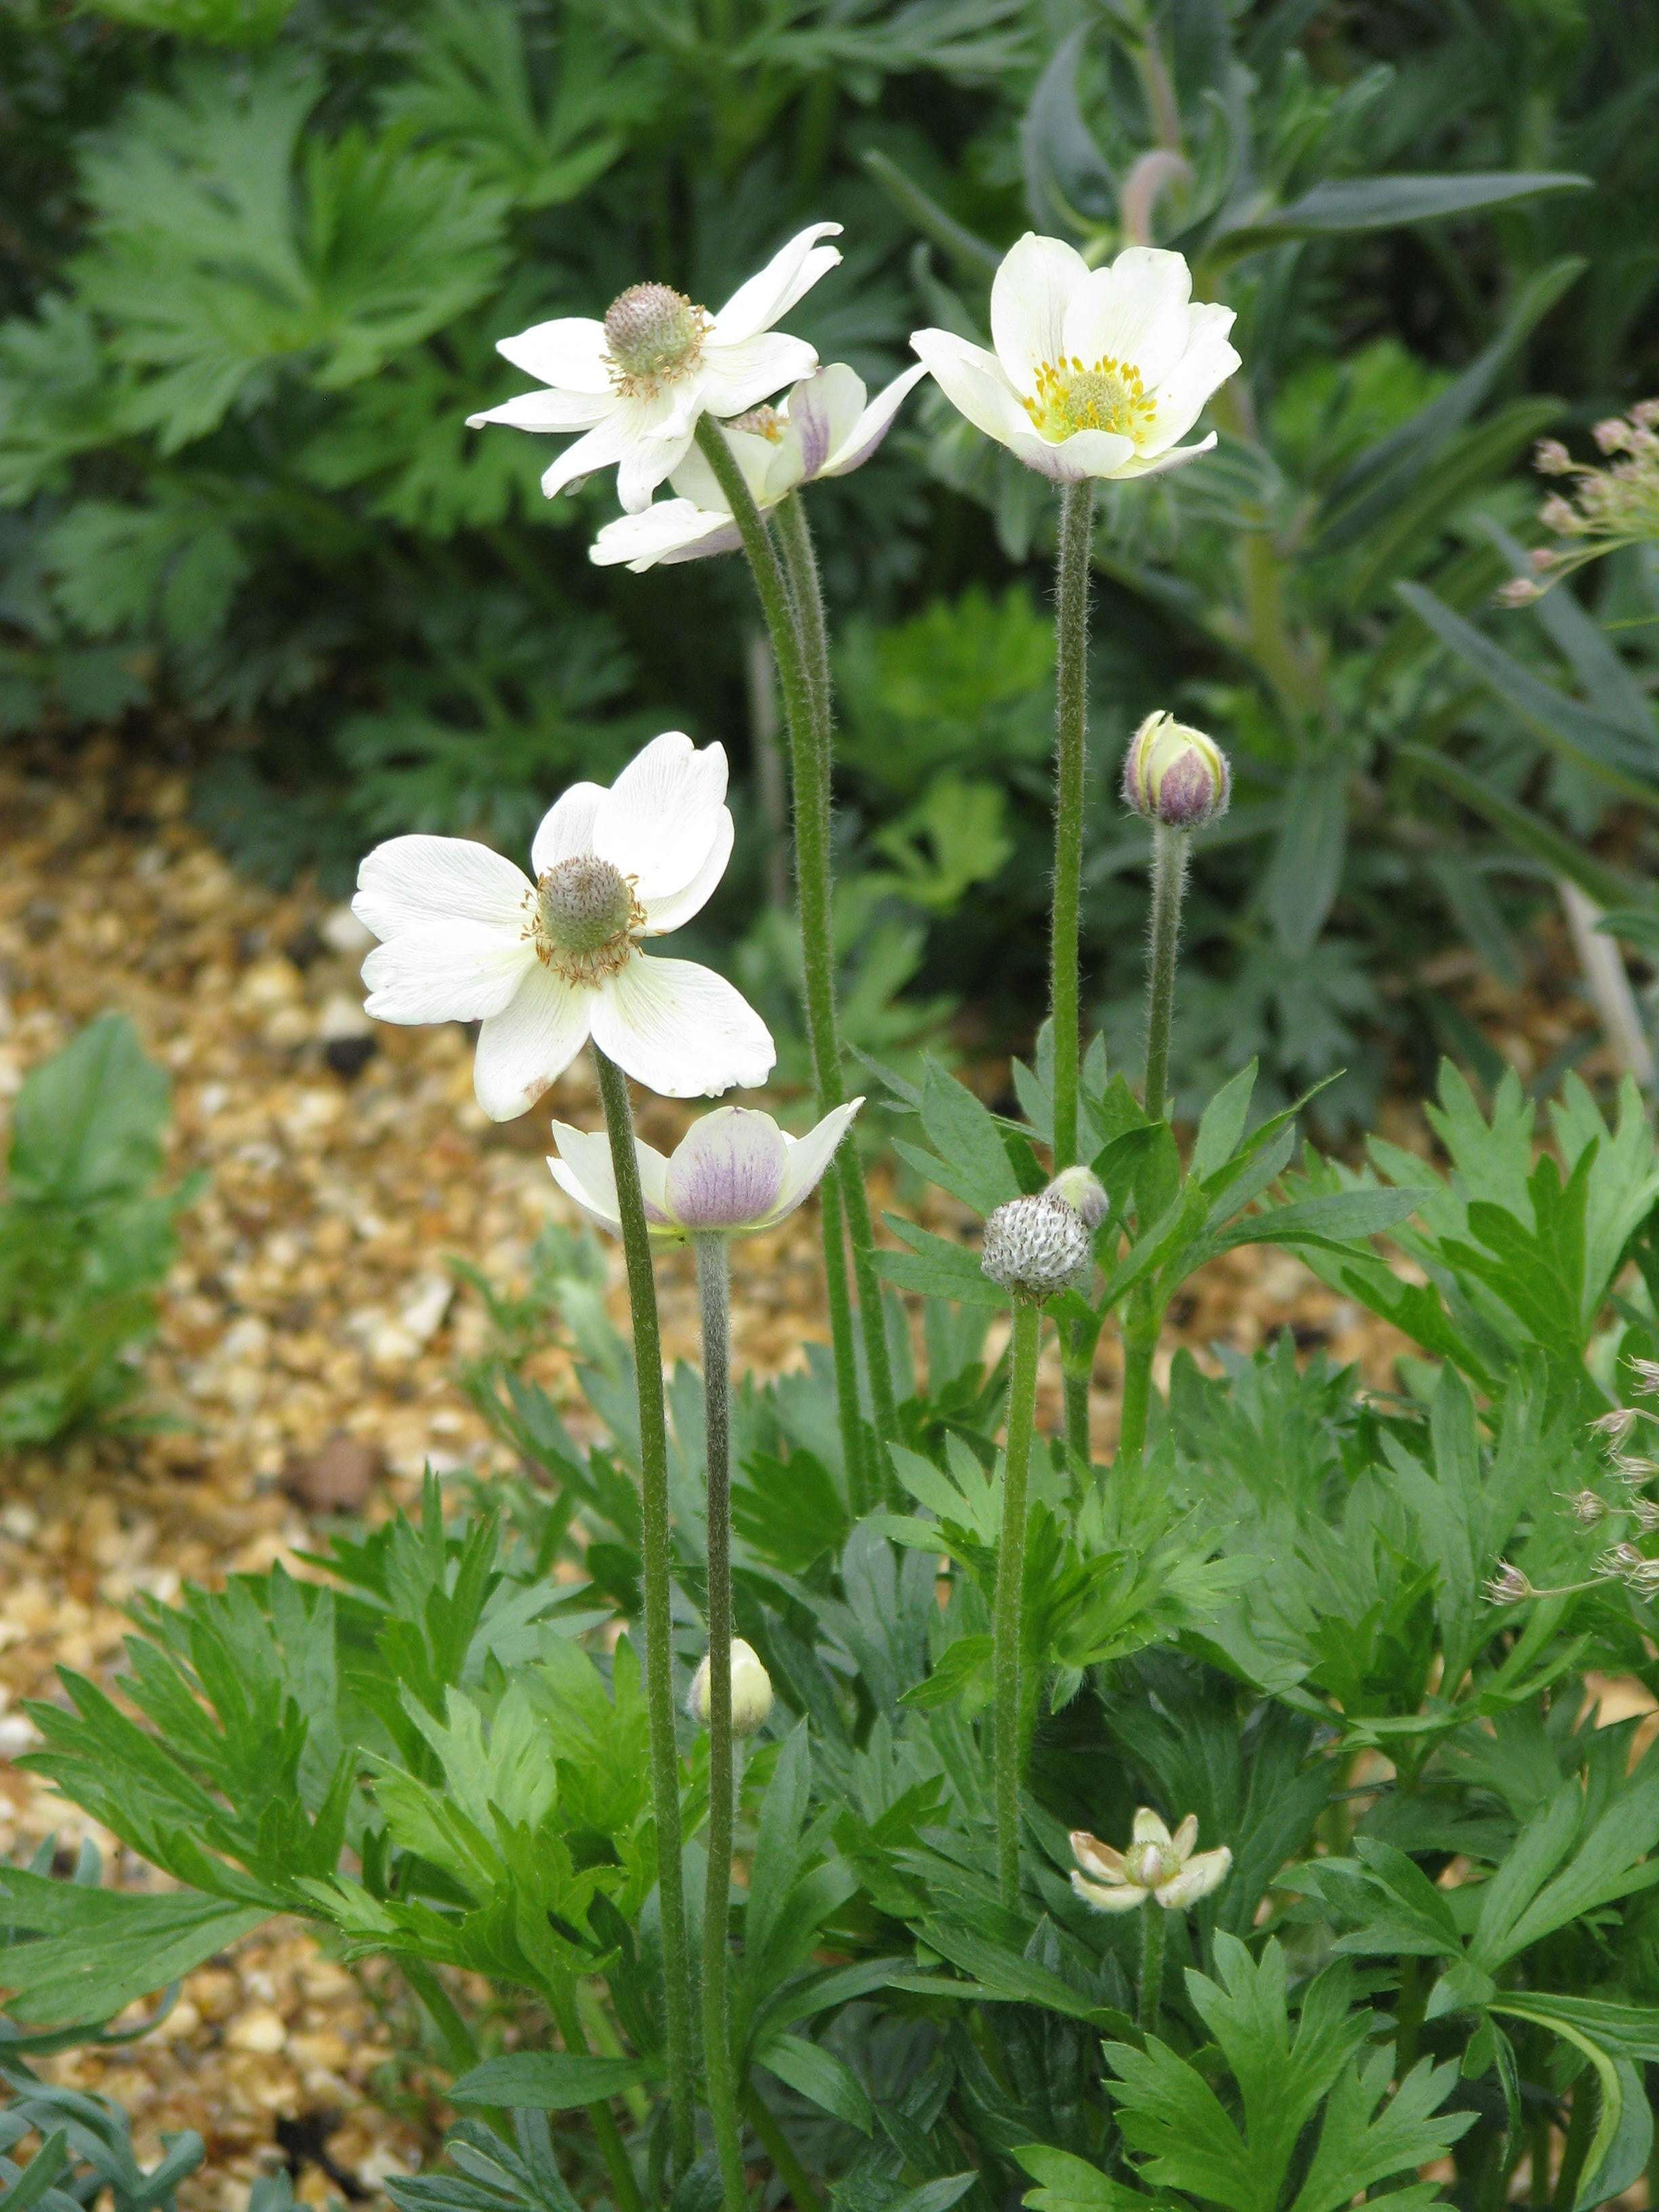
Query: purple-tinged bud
{"type": "Point", "coordinates": [1508, 1585]}
{"type": "Point", "coordinates": [1082, 1190]}
{"type": "Point", "coordinates": [1551, 458]}
{"type": "Point", "coordinates": [1176, 775]}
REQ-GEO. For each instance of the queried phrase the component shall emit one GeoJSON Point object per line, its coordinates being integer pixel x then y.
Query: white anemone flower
{"type": "Point", "coordinates": [637, 382]}
{"type": "Point", "coordinates": [1097, 372]}
{"type": "Point", "coordinates": [1157, 1865]}
{"type": "Point", "coordinates": [466, 936]}
{"type": "Point", "coordinates": [733, 1174]}
{"type": "Point", "coordinates": [826, 427]}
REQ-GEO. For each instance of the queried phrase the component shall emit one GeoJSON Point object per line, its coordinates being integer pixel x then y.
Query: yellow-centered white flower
{"type": "Point", "coordinates": [1097, 372]}
{"type": "Point", "coordinates": [466, 936]}
{"type": "Point", "coordinates": [733, 1174]}
{"type": "Point", "coordinates": [1157, 1865]}
{"type": "Point", "coordinates": [637, 383]}
{"type": "Point", "coordinates": [826, 427]}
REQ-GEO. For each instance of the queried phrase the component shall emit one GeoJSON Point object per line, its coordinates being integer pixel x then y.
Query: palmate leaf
{"type": "Point", "coordinates": [97, 1950]}
{"type": "Point", "coordinates": [226, 242]}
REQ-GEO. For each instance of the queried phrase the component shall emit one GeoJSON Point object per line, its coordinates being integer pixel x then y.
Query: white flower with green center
{"type": "Point", "coordinates": [1157, 1865]}
{"type": "Point", "coordinates": [637, 383]}
{"type": "Point", "coordinates": [733, 1174]}
{"type": "Point", "coordinates": [1097, 372]}
{"type": "Point", "coordinates": [466, 936]}
{"type": "Point", "coordinates": [826, 427]}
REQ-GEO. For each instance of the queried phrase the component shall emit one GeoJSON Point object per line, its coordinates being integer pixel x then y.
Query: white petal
{"type": "Point", "coordinates": [602, 448]}
{"type": "Point", "coordinates": [790, 273]}
{"type": "Point", "coordinates": [1029, 298]}
{"type": "Point", "coordinates": [583, 1171]}
{"type": "Point", "coordinates": [1196, 1879]}
{"type": "Point", "coordinates": [661, 817]}
{"type": "Point", "coordinates": [668, 531]}
{"type": "Point", "coordinates": [974, 383]}
{"type": "Point", "coordinates": [569, 352]}
{"type": "Point", "coordinates": [566, 830]}
{"type": "Point", "coordinates": [662, 915]}
{"type": "Point", "coordinates": [408, 881]}
{"type": "Point", "coordinates": [1176, 457]}
{"type": "Point", "coordinates": [650, 461]}
{"type": "Point", "coordinates": [1185, 1836]}
{"type": "Point", "coordinates": [1100, 453]}
{"type": "Point", "coordinates": [695, 480]}
{"type": "Point", "coordinates": [727, 1170]}
{"type": "Point", "coordinates": [1135, 311]}
{"type": "Point", "coordinates": [1128, 1899]}
{"type": "Point", "coordinates": [740, 376]}
{"type": "Point", "coordinates": [548, 411]}
{"type": "Point", "coordinates": [1209, 360]}
{"type": "Point", "coordinates": [808, 1157]}
{"type": "Point", "coordinates": [1148, 1828]}
{"type": "Point", "coordinates": [1097, 1858]}
{"type": "Point", "coordinates": [681, 1030]}
{"type": "Point", "coordinates": [446, 971]}
{"type": "Point", "coordinates": [527, 1047]}
{"type": "Point", "coordinates": [872, 425]}
{"type": "Point", "coordinates": [820, 413]}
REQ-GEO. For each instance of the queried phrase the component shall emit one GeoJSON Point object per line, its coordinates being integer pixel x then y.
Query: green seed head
{"type": "Point", "coordinates": [583, 906]}
{"type": "Point", "coordinates": [651, 331]}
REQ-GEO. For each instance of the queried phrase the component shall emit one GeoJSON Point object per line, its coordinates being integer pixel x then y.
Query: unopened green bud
{"type": "Point", "coordinates": [1082, 1190]}
{"type": "Point", "coordinates": [1176, 775]}
{"type": "Point", "coordinates": [752, 1690]}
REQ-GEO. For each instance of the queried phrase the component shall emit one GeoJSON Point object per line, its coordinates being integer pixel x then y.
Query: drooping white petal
{"type": "Point", "coordinates": [853, 450]}
{"type": "Point", "coordinates": [445, 971]}
{"type": "Point", "coordinates": [974, 383]}
{"type": "Point", "coordinates": [547, 410]}
{"type": "Point", "coordinates": [1029, 298]}
{"type": "Point", "coordinates": [1158, 464]}
{"type": "Point", "coordinates": [409, 881]}
{"type": "Point", "coordinates": [772, 291]}
{"type": "Point", "coordinates": [659, 818]}
{"type": "Point", "coordinates": [676, 908]}
{"type": "Point", "coordinates": [1129, 1898]}
{"type": "Point", "coordinates": [1085, 453]}
{"type": "Point", "coordinates": [569, 352]}
{"type": "Point", "coordinates": [1097, 1858]}
{"type": "Point", "coordinates": [1208, 362]}
{"type": "Point", "coordinates": [739, 377]}
{"type": "Point", "coordinates": [727, 1170]}
{"type": "Point", "coordinates": [1136, 311]}
{"type": "Point", "coordinates": [1196, 1879]}
{"type": "Point", "coordinates": [566, 830]}
{"type": "Point", "coordinates": [695, 480]}
{"type": "Point", "coordinates": [527, 1047]}
{"type": "Point", "coordinates": [1148, 1828]}
{"type": "Point", "coordinates": [667, 531]}
{"type": "Point", "coordinates": [808, 1157]}
{"type": "Point", "coordinates": [583, 1171]}
{"type": "Point", "coordinates": [602, 447]}
{"type": "Point", "coordinates": [681, 1030]}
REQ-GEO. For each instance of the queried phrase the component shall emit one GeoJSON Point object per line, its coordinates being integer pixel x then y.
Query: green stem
{"type": "Point", "coordinates": [1153, 1935]}
{"type": "Point", "coordinates": [850, 1419]}
{"type": "Point", "coordinates": [1071, 742]}
{"type": "Point", "coordinates": [1006, 1624]}
{"type": "Point", "coordinates": [607, 2134]}
{"type": "Point", "coordinates": [1075, 1383]}
{"type": "Point", "coordinates": [659, 1653]}
{"type": "Point", "coordinates": [1576, 2149]}
{"type": "Point", "coordinates": [812, 891]}
{"type": "Point", "coordinates": [714, 1301]}
{"type": "Point", "coordinates": [813, 858]}
{"type": "Point", "coordinates": [460, 2050]}
{"type": "Point", "coordinates": [803, 2196]}
{"type": "Point", "coordinates": [1169, 884]}
{"type": "Point", "coordinates": [1140, 1346]}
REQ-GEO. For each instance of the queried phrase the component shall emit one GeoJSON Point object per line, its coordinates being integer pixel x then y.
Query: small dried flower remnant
{"type": "Point", "coordinates": [1587, 1507]}
{"type": "Point", "coordinates": [1035, 1248]}
{"type": "Point", "coordinates": [752, 1690]}
{"type": "Point", "coordinates": [637, 383]}
{"type": "Point", "coordinates": [733, 1174]}
{"type": "Point", "coordinates": [1645, 1373]}
{"type": "Point", "coordinates": [1095, 372]}
{"type": "Point", "coordinates": [1605, 508]}
{"type": "Point", "coordinates": [1508, 1584]}
{"type": "Point", "coordinates": [1176, 775]}
{"type": "Point", "coordinates": [466, 936]}
{"type": "Point", "coordinates": [1158, 1865]}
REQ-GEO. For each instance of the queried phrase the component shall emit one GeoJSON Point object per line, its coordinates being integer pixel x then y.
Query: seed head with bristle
{"type": "Point", "coordinates": [1036, 1248]}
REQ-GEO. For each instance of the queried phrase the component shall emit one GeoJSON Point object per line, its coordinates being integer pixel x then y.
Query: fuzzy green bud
{"type": "Point", "coordinates": [1176, 775]}
{"type": "Point", "coordinates": [752, 1690]}
{"type": "Point", "coordinates": [1082, 1190]}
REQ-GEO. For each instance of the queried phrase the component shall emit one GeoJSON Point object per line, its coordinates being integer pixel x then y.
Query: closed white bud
{"type": "Point", "coordinates": [1082, 1190]}
{"type": "Point", "coordinates": [1176, 775]}
{"type": "Point", "coordinates": [1035, 1246]}
{"type": "Point", "coordinates": [752, 1690]}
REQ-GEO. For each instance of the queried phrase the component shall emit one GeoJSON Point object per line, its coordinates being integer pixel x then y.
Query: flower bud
{"type": "Point", "coordinates": [1586, 1508]}
{"type": "Point", "coordinates": [1551, 458]}
{"type": "Point", "coordinates": [752, 1690]}
{"type": "Point", "coordinates": [1176, 775]}
{"type": "Point", "coordinates": [1035, 1246]}
{"type": "Point", "coordinates": [1508, 1585]}
{"type": "Point", "coordinates": [1646, 1375]}
{"type": "Point", "coordinates": [1082, 1191]}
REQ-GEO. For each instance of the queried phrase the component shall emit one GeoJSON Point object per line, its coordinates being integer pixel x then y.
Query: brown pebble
{"type": "Point", "coordinates": [339, 1478]}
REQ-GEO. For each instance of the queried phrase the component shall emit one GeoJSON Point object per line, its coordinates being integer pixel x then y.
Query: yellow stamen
{"type": "Point", "coordinates": [1072, 396]}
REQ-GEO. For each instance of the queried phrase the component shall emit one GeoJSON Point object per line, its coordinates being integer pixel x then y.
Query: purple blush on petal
{"type": "Point", "coordinates": [728, 1170]}
{"type": "Point", "coordinates": [809, 415]}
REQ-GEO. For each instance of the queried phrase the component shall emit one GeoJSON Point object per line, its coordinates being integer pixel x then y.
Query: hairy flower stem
{"type": "Point", "coordinates": [659, 1656]}
{"type": "Point", "coordinates": [1071, 747]}
{"type": "Point", "coordinates": [1140, 1329]}
{"type": "Point", "coordinates": [1152, 1965]}
{"type": "Point", "coordinates": [715, 1300]}
{"type": "Point", "coordinates": [606, 2130]}
{"type": "Point", "coordinates": [1006, 1624]}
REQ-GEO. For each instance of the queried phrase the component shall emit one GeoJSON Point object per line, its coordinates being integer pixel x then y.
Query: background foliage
{"type": "Point", "coordinates": [258, 254]}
